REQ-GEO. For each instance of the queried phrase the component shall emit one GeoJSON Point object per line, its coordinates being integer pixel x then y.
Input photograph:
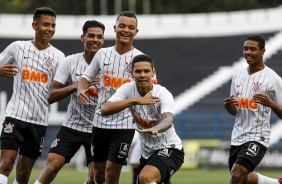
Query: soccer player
{"type": "Point", "coordinates": [152, 107]}
{"type": "Point", "coordinates": [255, 91]}
{"type": "Point", "coordinates": [112, 135]}
{"type": "Point", "coordinates": [25, 124]}
{"type": "Point", "coordinates": [76, 130]}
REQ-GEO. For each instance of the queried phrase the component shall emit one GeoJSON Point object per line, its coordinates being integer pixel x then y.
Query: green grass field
{"type": "Point", "coordinates": [203, 176]}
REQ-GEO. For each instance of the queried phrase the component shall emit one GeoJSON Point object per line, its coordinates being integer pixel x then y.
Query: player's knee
{"type": "Point", "coordinates": [238, 175]}
{"type": "Point", "coordinates": [6, 166]}
{"type": "Point", "coordinates": [146, 179]}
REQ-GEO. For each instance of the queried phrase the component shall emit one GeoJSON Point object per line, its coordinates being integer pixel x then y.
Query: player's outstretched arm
{"type": "Point", "coordinates": [82, 87]}
{"type": "Point", "coordinates": [59, 91]}
{"type": "Point", "coordinates": [8, 70]}
{"type": "Point", "coordinates": [110, 108]}
{"type": "Point", "coordinates": [164, 125]}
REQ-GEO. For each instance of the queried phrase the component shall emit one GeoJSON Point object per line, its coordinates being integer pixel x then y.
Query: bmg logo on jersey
{"type": "Point", "coordinates": [253, 149]}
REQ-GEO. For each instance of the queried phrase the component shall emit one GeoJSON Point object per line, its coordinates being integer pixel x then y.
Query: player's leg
{"type": "Point", "coordinates": [100, 148]}
{"type": "Point", "coordinates": [256, 178]}
{"type": "Point", "coordinates": [30, 150]}
{"type": "Point", "coordinates": [89, 158]}
{"type": "Point", "coordinates": [7, 160]}
{"type": "Point", "coordinates": [121, 140]}
{"type": "Point", "coordinates": [149, 174]}
{"type": "Point", "coordinates": [91, 173]}
{"type": "Point", "coordinates": [11, 140]}
{"type": "Point", "coordinates": [23, 169]}
{"type": "Point", "coordinates": [160, 166]}
{"type": "Point", "coordinates": [54, 164]}
{"type": "Point", "coordinates": [63, 148]}
{"type": "Point", "coordinates": [247, 157]}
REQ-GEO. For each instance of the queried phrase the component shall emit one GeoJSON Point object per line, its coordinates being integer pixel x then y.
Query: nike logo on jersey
{"type": "Point", "coordinates": [26, 57]}
{"type": "Point", "coordinates": [106, 64]}
{"type": "Point", "coordinates": [78, 74]}
{"type": "Point", "coordinates": [239, 85]}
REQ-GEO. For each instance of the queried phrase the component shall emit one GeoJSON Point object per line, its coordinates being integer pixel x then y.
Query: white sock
{"type": "Point", "coordinates": [266, 180]}
{"type": "Point", "coordinates": [37, 182]}
{"type": "Point", "coordinates": [3, 179]}
{"type": "Point", "coordinates": [15, 182]}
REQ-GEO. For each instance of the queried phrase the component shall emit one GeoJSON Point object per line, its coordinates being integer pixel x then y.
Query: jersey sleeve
{"type": "Point", "coordinates": [93, 70]}
{"type": "Point", "coordinates": [8, 55]}
{"type": "Point", "coordinates": [277, 91]}
{"type": "Point", "coordinates": [167, 101]}
{"type": "Point", "coordinates": [63, 71]}
{"type": "Point", "coordinates": [122, 93]}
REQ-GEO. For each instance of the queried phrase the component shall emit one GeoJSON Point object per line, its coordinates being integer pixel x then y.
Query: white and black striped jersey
{"type": "Point", "coordinates": [115, 70]}
{"type": "Point", "coordinates": [147, 116]}
{"type": "Point", "coordinates": [252, 121]}
{"type": "Point", "coordinates": [31, 85]}
{"type": "Point", "coordinates": [78, 117]}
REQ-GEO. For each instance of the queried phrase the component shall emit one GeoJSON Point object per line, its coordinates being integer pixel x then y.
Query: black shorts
{"type": "Point", "coordinates": [27, 138]}
{"type": "Point", "coordinates": [68, 141]}
{"type": "Point", "coordinates": [111, 144]}
{"type": "Point", "coordinates": [248, 155]}
{"type": "Point", "coordinates": [168, 161]}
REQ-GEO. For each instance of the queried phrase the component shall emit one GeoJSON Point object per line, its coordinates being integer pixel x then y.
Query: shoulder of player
{"type": "Point", "coordinates": [161, 90]}
{"type": "Point", "coordinates": [271, 73]}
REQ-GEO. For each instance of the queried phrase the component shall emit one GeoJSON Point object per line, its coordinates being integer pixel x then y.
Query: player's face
{"type": "Point", "coordinates": [143, 74]}
{"type": "Point", "coordinates": [45, 27]}
{"type": "Point", "coordinates": [126, 29]}
{"type": "Point", "coordinates": [93, 39]}
{"type": "Point", "coordinates": [252, 53]}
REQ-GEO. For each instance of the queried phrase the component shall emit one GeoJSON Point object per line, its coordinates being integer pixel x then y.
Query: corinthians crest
{"type": "Point", "coordinates": [151, 109]}
{"type": "Point", "coordinates": [9, 128]}
{"type": "Point", "coordinates": [256, 87]}
{"type": "Point", "coordinates": [128, 67]}
{"type": "Point", "coordinates": [48, 62]}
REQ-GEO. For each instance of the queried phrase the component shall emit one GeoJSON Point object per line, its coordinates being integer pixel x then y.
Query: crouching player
{"type": "Point", "coordinates": [152, 107]}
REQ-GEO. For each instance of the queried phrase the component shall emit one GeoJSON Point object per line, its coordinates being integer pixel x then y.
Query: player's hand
{"type": "Point", "coordinates": [230, 104]}
{"type": "Point", "coordinates": [151, 131]}
{"type": "Point", "coordinates": [8, 70]}
{"type": "Point", "coordinates": [82, 98]}
{"type": "Point", "coordinates": [263, 100]}
{"type": "Point", "coordinates": [148, 100]}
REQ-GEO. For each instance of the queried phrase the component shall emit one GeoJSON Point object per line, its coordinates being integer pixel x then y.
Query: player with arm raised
{"type": "Point", "coordinates": [26, 119]}
{"type": "Point", "coordinates": [112, 135]}
{"type": "Point", "coordinates": [76, 130]}
{"type": "Point", "coordinates": [152, 107]}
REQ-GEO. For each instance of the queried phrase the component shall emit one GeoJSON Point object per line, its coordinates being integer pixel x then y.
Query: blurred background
{"type": "Point", "coordinates": [197, 45]}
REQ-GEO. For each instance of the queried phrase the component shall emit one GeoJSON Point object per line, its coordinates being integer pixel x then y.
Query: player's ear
{"type": "Point", "coordinates": [136, 32]}
{"type": "Point", "coordinates": [34, 25]}
{"type": "Point", "coordinates": [82, 38]}
{"type": "Point", "coordinates": [115, 28]}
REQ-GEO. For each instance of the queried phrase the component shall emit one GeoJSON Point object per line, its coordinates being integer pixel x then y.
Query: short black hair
{"type": "Point", "coordinates": [92, 23]}
{"type": "Point", "coordinates": [127, 14]}
{"type": "Point", "coordinates": [141, 58]}
{"type": "Point", "coordinates": [258, 38]}
{"type": "Point", "coordinates": [38, 12]}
